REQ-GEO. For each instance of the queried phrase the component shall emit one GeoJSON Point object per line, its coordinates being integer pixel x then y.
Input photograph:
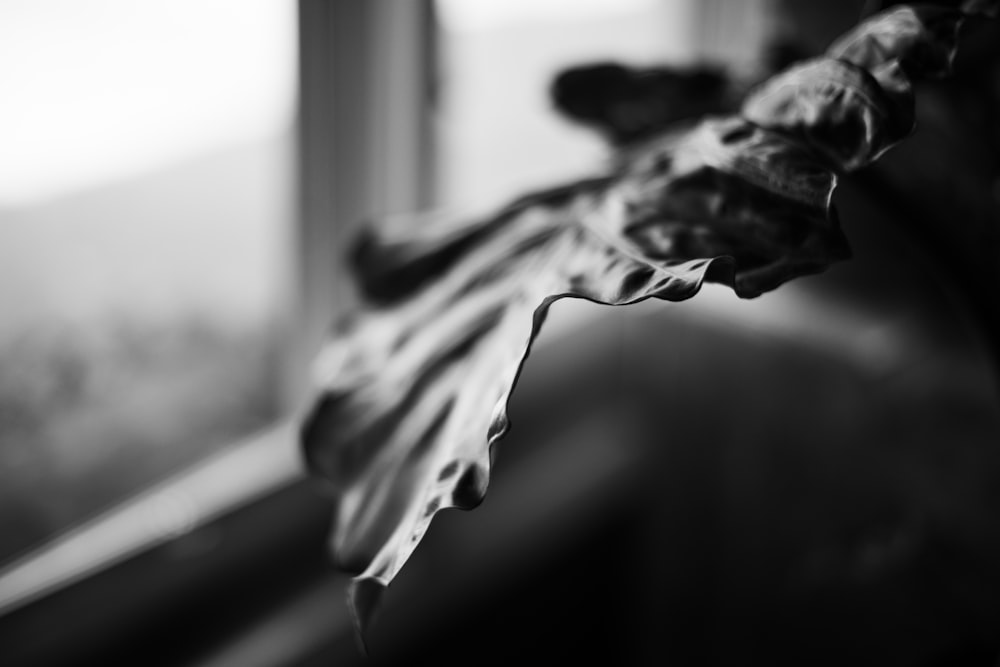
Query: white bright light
{"type": "Point", "coordinates": [92, 91]}
{"type": "Point", "coordinates": [471, 15]}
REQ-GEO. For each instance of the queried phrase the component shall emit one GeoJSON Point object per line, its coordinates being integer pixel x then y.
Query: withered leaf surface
{"type": "Point", "coordinates": [414, 388]}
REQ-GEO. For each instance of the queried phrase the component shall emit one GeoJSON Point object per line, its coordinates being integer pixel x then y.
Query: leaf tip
{"type": "Point", "coordinates": [363, 597]}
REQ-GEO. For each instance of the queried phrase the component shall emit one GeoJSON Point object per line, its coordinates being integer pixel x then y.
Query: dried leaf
{"type": "Point", "coordinates": [414, 389]}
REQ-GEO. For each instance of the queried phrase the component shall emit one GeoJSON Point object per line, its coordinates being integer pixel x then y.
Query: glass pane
{"type": "Point", "coordinates": [499, 136]}
{"type": "Point", "coordinates": [145, 225]}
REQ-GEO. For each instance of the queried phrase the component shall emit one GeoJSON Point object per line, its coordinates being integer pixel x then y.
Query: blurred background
{"type": "Point", "coordinates": [810, 477]}
{"type": "Point", "coordinates": [146, 196]}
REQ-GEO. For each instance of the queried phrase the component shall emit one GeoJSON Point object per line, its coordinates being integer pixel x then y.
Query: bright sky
{"type": "Point", "coordinates": [93, 91]}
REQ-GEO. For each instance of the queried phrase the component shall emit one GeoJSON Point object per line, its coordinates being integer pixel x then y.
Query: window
{"type": "Point", "coordinates": [146, 240]}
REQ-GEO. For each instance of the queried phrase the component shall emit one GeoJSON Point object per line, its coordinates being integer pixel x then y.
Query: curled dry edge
{"type": "Point", "coordinates": [414, 388]}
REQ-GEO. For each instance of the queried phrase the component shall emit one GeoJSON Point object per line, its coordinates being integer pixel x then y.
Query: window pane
{"type": "Point", "coordinates": [145, 226]}
{"type": "Point", "coordinates": [499, 136]}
